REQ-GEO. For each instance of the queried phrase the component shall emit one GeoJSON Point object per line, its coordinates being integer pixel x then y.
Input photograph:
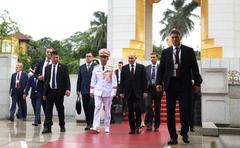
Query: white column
{"type": "Point", "coordinates": [121, 25]}
{"type": "Point", "coordinates": [148, 32]}
{"type": "Point", "coordinates": [8, 63]}
{"type": "Point", "coordinates": [224, 24]}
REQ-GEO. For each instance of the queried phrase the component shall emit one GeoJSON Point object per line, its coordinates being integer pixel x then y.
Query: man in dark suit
{"type": "Point", "coordinates": [83, 88]}
{"type": "Point", "coordinates": [56, 85]}
{"type": "Point", "coordinates": [117, 98]}
{"type": "Point", "coordinates": [35, 98]}
{"type": "Point", "coordinates": [18, 83]}
{"type": "Point", "coordinates": [153, 96]}
{"type": "Point", "coordinates": [40, 71]}
{"type": "Point", "coordinates": [133, 86]}
{"type": "Point", "coordinates": [118, 75]}
{"type": "Point", "coordinates": [177, 67]}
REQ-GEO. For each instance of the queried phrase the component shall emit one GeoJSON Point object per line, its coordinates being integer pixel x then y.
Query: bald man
{"type": "Point", "coordinates": [133, 87]}
{"type": "Point", "coordinates": [18, 83]}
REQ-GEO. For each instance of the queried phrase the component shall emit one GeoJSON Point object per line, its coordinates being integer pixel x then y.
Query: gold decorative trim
{"type": "Point", "coordinates": [208, 47]}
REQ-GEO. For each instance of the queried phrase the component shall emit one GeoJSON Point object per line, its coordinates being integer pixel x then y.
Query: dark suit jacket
{"type": "Point", "coordinates": [188, 68]}
{"type": "Point", "coordinates": [38, 72]}
{"type": "Point", "coordinates": [149, 74]}
{"type": "Point", "coordinates": [84, 78]}
{"type": "Point", "coordinates": [34, 85]}
{"type": "Point", "coordinates": [138, 84]}
{"type": "Point", "coordinates": [62, 79]}
{"type": "Point", "coordinates": [23, 83]}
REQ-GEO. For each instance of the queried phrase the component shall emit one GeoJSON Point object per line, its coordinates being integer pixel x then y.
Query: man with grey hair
{"type": "Point", "coordinates": [18, 83]}
{"type": "Point", "coordinates": [103, 87]}
{"type": "Point", "coordinates": [133, 87]}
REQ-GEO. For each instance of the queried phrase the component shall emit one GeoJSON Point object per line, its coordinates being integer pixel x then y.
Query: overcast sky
{"type": "Point", "coordinates": [59, 19]}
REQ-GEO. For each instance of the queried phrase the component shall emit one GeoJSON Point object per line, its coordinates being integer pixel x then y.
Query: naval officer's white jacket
{"type": "Point", "coordinates": [103, 83]}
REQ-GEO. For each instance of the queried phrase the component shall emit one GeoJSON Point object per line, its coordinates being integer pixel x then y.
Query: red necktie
{"type": "Point", "coordinates": [18, 80]}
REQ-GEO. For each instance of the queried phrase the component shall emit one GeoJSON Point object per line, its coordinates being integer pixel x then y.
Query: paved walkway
{"type": "Point", "coordinates": [23, 135]}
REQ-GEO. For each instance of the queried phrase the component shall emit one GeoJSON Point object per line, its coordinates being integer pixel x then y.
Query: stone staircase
{"type": "Point", "coordinates": [164, 111]}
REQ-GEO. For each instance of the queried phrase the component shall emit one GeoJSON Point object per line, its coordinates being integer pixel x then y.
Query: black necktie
{"type": "Point", "coordinates": [35, 82]}
{"type": "Point", "coordinates": [53, 77]}
{"type": "Point", "coordinates": [132, 70]}
{"type": "Point", "coordinates": [103, 68]}
{"type": "Point", "coordinates": [177, 56]}
{"type": "Point", "coordinates": [48, 61]}
{"type": "Point", "coordinates": [177, 62]}
{"type": "Point", "coordinates": [88, 66]}
{"type": "Point", "coordinates": [153, 74]}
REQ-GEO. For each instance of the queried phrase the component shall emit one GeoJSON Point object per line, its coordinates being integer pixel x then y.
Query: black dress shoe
{"type": "Point", "coordinates": [156, 129]}
{"type": "Point", "coordinates": [17, 116]}
{"type": "Point", "coordinates": [112, 121]}
{"type": "Point", "coordinates": [149, 128]}
{"type": "Point", "coordinates": [138, 131]}
{"type": "Point", "coordinates": [11, 119]}
{"type": "Point", "coordinates": [132, 132]}
{"type": "Point", "coordinates": [62, 129]}
{"type": "Point", "coordinates": [46, 130]}
{"type": "Point", "coordinates": [172, 141]}
{"type": "Point", "coordinates": [185, 139]}
{"type": "Point", "coordinates": [192, 129]}
{"type": "Point", "coordinates": [39, 122]}
{"type": "Point", "coordinates": [87, 128]}
{"type": "Point", "coordinates": [34, 124]}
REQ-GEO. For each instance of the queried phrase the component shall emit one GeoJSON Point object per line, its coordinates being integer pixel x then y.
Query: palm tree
{"type": "Point", "coordinates": [99, 30]}
{"type": "Point", "coordinates": [179, 18]}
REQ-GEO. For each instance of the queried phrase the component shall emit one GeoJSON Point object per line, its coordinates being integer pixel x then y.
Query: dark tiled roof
{"type": "Point", "coordinates": [20, 36]}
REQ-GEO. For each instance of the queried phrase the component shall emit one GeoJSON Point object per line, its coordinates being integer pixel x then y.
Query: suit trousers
{"type": "Point", "coordinates": [88, 107]}
{"type": "Point", "coordinates": [176, 91]}
{"type": "Point", "coordinates": [107, 102]}
{"type": "Point", "coordinates": [36, 104]}
{"type": "Point", "coordinates": [43, 102]}
{"type": "Point", "coordinates": [134, 107]}
{"type": "Point", "coordinates": [53, 97]}
{"type": "Point", "coordinates": [17, 97]}
{"type": "Point", "coordinates": [153, 97]}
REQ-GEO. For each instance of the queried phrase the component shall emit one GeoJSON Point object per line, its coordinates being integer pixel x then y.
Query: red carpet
{"type": "Point", "coordinates": [164, 111]}
{"type": "Point", "coordinates": [118, 138]}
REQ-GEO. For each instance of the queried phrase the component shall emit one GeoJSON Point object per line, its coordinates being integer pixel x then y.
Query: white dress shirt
{"type": "Point", "coordinates": [44, 65]}
{"type": "Point", "coordinates": [88, 65]}
{"type": "Point", "coordinates": [153, 81]}
{"type": "Point", "coordinates": [18, 81]}
{"type": "Point", "coordinates": [174, 58]}
{"type": "Point", "coordinates": [119, 76]}
{"type": "Point", "coordinates": [134, 67]}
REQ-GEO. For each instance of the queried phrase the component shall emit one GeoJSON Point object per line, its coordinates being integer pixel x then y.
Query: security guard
{"type": "Point", "coordinates": [103, 87]}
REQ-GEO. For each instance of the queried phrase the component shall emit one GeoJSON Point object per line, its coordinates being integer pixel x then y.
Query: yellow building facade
{"type": "Point", "coordinates": [209, 48]}
{"type": "Point", "coordinates": [138, 44]}
{"type": "Point", "coordinates": [14, 44]}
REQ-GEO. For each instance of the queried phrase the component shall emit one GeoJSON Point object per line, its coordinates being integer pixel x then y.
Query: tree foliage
{"type": "Point", "coordinates": [73, 48]}
{"type": "Point", "coordinates": [179, 18]}
{"type": "Point", "coordinates": [7, 26]}
{"type": "Point", "coordinates": [158, 49]}
{"type": "Point", "coordinates": [99, 30]}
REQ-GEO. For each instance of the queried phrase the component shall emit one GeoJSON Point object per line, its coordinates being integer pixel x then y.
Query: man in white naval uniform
{"type": "Point", "coordinates": [103, 87]}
